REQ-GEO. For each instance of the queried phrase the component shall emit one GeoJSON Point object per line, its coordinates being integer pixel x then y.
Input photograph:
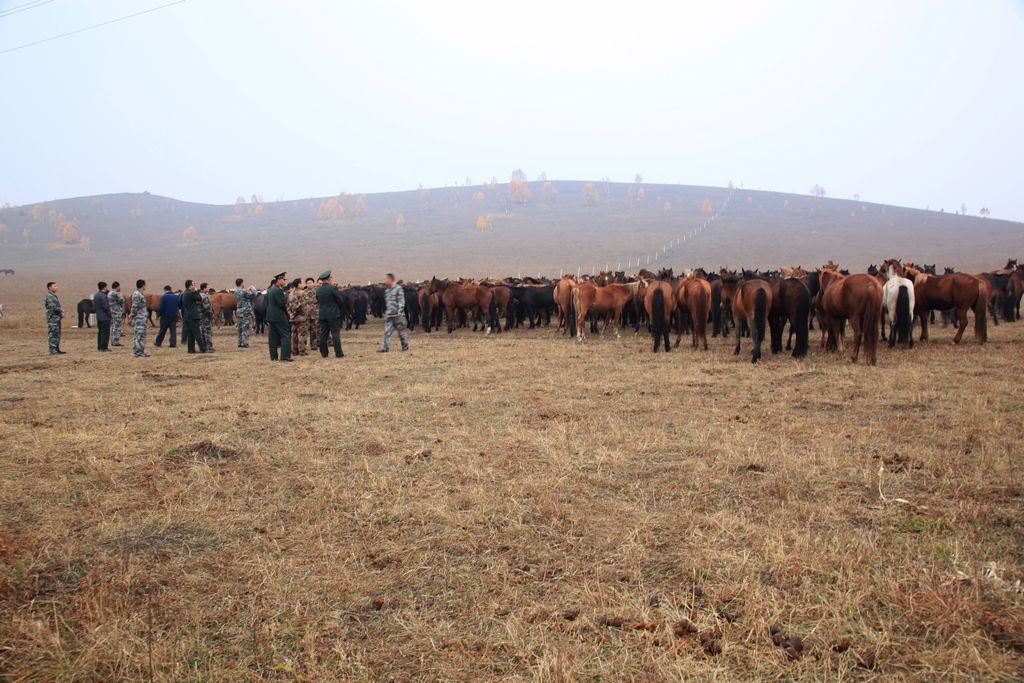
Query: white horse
{"type": "Point", "coordinates": [898, 297]}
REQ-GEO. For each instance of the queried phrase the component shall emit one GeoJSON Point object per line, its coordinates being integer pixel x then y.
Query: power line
{"type": "Point", "coordinates": [89, 28]}
{"type": "Point", "coordinates": [24, 8]}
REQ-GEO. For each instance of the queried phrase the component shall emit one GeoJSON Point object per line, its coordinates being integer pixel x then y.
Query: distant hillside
{"type": "Point", "coordinates": [467, 231]}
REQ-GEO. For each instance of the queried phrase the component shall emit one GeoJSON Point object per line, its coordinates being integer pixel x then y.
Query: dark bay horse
{"type": "Point", "coordinates": [464, 297]}
{"type": "Point", "coordinates": [857, 298]}
{"type": "Point", "coordinates": [694, 298]}
{"type": "Point", "coordinates": [791, 302]}
{"type": "Point", "coordinates": [660, 304]}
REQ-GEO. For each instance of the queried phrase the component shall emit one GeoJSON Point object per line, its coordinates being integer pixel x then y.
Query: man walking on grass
{"type": "Point", "coordinates": [168, 312]}
{"type": "Point", "coordinates": [102, 307]}
{"type": "Point", "coordinates": [54, 314]}
{"type": "Point", "coordinates": [394, 314]}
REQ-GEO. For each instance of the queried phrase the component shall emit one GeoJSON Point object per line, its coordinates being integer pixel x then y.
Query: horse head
{"type": "Point", "coordinates": [948, 270]}
{"type": "Point", "coordinates": [665, 274]}
{"type": "Point", "coordinates": [929, 269]}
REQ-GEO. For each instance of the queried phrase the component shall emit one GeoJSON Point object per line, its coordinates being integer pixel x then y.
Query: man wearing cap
{"type": "Point", "coordinates": [394, 314]}
{"type": "Point", "coordinates": [279, 336]}
{"type": "Point", "coordinates": [331, 305]}
{"type": "Point", "coordinates": [298, 307]}
{"type": "Point", "coordinates": [191, 312]}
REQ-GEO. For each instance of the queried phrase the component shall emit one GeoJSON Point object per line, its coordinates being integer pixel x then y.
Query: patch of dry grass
{"type": "Point", "coordinates": [518, 506]}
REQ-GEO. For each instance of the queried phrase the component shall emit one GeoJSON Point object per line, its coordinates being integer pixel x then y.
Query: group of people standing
{"type": "Point", "coordinates": [297, 312]}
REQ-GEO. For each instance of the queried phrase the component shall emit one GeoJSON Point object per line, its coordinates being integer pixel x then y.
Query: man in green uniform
{"type": "Point", "coordinates": [191, 312]}
{"type": "Point", "coordinates": [330, 304]}
{"type": "Point", "coordinates": [279, 334]}
{"type": "Point", "coordinates": [54, 314]}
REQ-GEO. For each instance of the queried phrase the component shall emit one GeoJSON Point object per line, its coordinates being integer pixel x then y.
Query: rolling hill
{"type": "Point", "coordinates": [467, 231]}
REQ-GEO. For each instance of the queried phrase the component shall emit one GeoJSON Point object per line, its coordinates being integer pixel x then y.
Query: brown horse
{"type": "Point", "coordinates": [694, 297]}
{"type": "Point", "coordinates": [961, 291]}
{"type": "Point", "coordinates": [467, 297]}
{"type": "Point", "coordinates": [563, 290]}
{"type": "Point", "coordinates": [660, 304]}
{"type": "Point", "coordinates": [857, 298]}
{"type": "Point", "coordinates": [751, 301]}
{"type": "Point", "coordinates": [430, 309]}
{"type": "Point", "coordinates": [610, 299]}
{"type": "Point", "coordinates": [502, 296]}
{"type": "Point", "coordinates": [791, 302]}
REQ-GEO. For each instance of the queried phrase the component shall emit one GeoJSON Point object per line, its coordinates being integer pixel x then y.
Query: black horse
{"type": "Point", "coordinates": [85, 309]}
{"type": "Point", "coordinates": [259, 312]}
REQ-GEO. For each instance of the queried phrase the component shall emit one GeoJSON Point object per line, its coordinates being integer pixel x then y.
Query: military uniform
{"type": "Point", "coordinates": [329, 305]}
{"type": "Point", "coordinates": [191, 313]}
{"type": "Point", "coordinates": [313, 315]}
{"type": "Point", "coordinates": [298, 312]}
{"type": "Point", "coordinates": [394, 317]}
{"type": "Point", "coordinates": [140, 319]}
{"type": "Point", "coordinates": [279, 336]}
{"type": "Point", "coordinates": [206, 321]}
{"type": "Point", "coordinates": [54, 313]}
{"type": "Point", "coordinates": [116, 317]}
{"type": "Point", "coordinates": [243, 302]}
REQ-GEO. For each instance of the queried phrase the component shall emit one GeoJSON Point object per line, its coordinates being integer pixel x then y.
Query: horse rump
{"type": "Point", "coordinates": [801, 321]}
{"type": "Point", "coordinates": [760, 316]}
{"type": "Point", "coordinates": [904, 318]}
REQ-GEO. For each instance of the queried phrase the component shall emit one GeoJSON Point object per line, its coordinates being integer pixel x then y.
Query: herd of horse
{"type": "Point", "coordinates": [882, 303]}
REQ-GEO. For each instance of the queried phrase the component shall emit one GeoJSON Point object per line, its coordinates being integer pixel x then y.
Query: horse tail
{"type": "Point", "coordinates": [81, 312]}
{"type": "Point", "coordinates": [980, 311]}
{"type": "Point", "coordinates": [492, 314]}
{"type": "Point", "coordinates": [716, 311]}
{"type": "Point", "coordinates": [903, 318]}
{"type": "Point", "coordinates": [571, 308]}
{"type": "Point", "coordinates": [869, 323]}
{"type": "Point", "coordinates": [760, 315]}
{"type": "Point", "coordinates": [1008, 302]}
{"type": "Point", "coordinates": [425, 312]}
{"type": "Point", "coordinates": [802, 322]}
{"type": "Point", "coordinates": [658, 321]}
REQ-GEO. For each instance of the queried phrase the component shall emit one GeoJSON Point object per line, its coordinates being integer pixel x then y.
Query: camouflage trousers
{"type": "Point", "coordinates": [53, 334]}
{"type": "Point", "coordinates": [314, 332]}
{"type": "Point", "coordinates": [139, 339]}
{"type": "Point", "coordinates": [300, 337]}
{"type": "Point", "coordinates": [116, 330]}
{"type": "Point", "coordinates": [244, 325]}
{"type": "Point", "coordinates": [206, 329]}
{"type": "Point", "coordinates": [392, 323]}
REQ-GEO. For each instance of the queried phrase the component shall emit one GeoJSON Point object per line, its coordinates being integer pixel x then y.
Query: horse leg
{"type": "Point", "coordinates": [857, 335]}
{"type": "Point", "coordinates": [961, 323]}
{"type": "Point", "coordinates": [736, 351]}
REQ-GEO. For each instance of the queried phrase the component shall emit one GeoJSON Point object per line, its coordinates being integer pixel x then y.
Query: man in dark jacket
{"type": "Point", "coordinates": [102, 307]}
{"type": "Point", "coordinates": [280, 333]}
{"type": "Point", "coordinates": [168, 312]}
{"type": "Point", "coordinates": [330, 304]}
{"type": "Point", "coordinates": [191, 311]}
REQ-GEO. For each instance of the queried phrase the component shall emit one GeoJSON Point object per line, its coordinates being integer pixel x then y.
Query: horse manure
{"type": "Point", "coordinates": [730, 616]}
{"type": "Point", "coordinates": [754, 467]}
{"type": "Point", "coordinates": [841, 646]}
{"type": "Point", "coordinates": [867, 660]}
{"type": "Point", "coordinates": [571, 614]}
{"type": "Point", "coordinates": [642, 626]}
{"type": "Point", "coordinates": [684, 627]}
{"type": "Point", "coordinates": [613, 622]}
{"type": "Point", "coordinates": [774, 629]}
{"type": "Point", "coordinates": [654, 601]}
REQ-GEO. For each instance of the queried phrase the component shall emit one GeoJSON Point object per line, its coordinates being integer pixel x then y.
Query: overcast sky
{"type": "Point", "coordinates": [911, 103]}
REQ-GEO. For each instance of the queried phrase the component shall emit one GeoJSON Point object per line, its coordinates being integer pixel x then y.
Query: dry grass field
{"type": "Point", "coordinates": [511, 507]}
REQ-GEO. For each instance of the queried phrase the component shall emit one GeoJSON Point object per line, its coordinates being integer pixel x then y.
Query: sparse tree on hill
{"type": "Point", "coordinates": [135, 213]}
{"type": "Point", "coordinates": [483, 223]}
{"type": "Point", "coordinates": [400, 220]}
{"type": "Point", "coordinates": [25, 234]}
{"type": "Point", "coordinates": [424, 192]}
{"type": "Point", "coordinates": [542, 177]}
{"type": "Point", "coordinates": [730, 186]}
{"type": "Point", "coordinates": [188, 235]}
{"type": "Point", "coordinates": [631, 197]}
{"type": "Point", "coordinates": [518, 192]}
{"type": "Point", "coordinates": [549, 192]}
{"type": "Point", "coordinates": [666, 207]}
{"type": "Point", "coordinates": [638, 179]}
{"type": "Point", "coordinates": [856, 196]}
{"type": "Point", "coordinates": [706, 207]}
{"type": "Point", "coordinates": [606, 184]}
{"type": "Point", "coordinates": [505, 206]}
{"type": "Point", "coordinates": [983, 212]}
{"type": "Point", "coordinates": [590, 194]}
{"type": "Point", "coordinates": [493, 184]}
{"type": "Point", "coordinates": [519, 174]}
{"type": "Point", "coordinates": [469, 181]}
{"type": "Point", "coordinates": [640, 194]}
{"type": "Point", "coordinates": [331, 211]}
{"type": "Point", "coordinates": [817, 191]}
{"type": "Point", "coordinates": [240, 205]}
{"type": "Point", "coordinates": [38, 213]}
{"type": "Point", "coordinates": [67, 232]}
{"type": "Point", "coordinates": [360, 206]}
{"type": "Point", "coordinates": [478, 196]}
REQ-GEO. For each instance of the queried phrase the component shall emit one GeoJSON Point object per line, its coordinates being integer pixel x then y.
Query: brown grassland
{"type": "Point", "coordinates": [517, 506]}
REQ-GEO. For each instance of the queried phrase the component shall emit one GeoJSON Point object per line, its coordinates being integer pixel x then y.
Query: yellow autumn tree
{"type": "Point", "coordinates": [136, 212]}
{"type": "Point", "coordinates": [360, 208]}
{"type": "Point", "coordinates": [705, 208]}
{"type": "Point", "coordinates": [549, 192]}
{"type": "Point", "coordinates": [400, 220]}
{"type": "Point", "coordinates": [189, 234]}
{"type": "Point", "coordinates": [483, 223]}
{"type": "Point", "coordinates": [240, 205]}
{"type": "Point", "coordinates": [667, 207]}
{"type": "Point", "coordinates": [590, 194]}
{"type": "Point", "coordinates": [518, 192]}
{"type": "Point", "coordinates": [640, 194]}
{"type": "Point", "coordinates": [479, 196]}
{"type": "Point", "coordinates": [38, 213]}
{"type": "Point", "coordinates": [331, 211]}
{"type": "Point", "coordinates": [67, 232]}
{"type": "Point", "coordinates": [493, 184]}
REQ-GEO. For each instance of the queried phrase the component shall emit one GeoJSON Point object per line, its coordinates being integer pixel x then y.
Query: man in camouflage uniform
{"type": "Point", "coordinates": [298, 307]}
{"type": "Point", "coordinates": [206, 319]}
{"type": "Point", "coordinates": [140, 319]}
{"type": "Point", "coordinates": [243, 311]}
{"type": "Point", "coordinates": [54, 314]}
{"type": "Point", "coordinates": [313, 313]}
{"type": "Point", "coordinates": [116, 313]}
{"type": "Point", "coordinates": [394, 314]}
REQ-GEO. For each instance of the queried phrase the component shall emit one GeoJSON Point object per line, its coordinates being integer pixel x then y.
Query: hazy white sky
{"type": "Point", "coordinates": [912, 103]}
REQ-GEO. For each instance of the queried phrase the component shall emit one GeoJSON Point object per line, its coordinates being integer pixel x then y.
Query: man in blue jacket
{"type": "Point", "coordinates": [102, 306]}
{"type": "Point", "coordinates": [168, 312]}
